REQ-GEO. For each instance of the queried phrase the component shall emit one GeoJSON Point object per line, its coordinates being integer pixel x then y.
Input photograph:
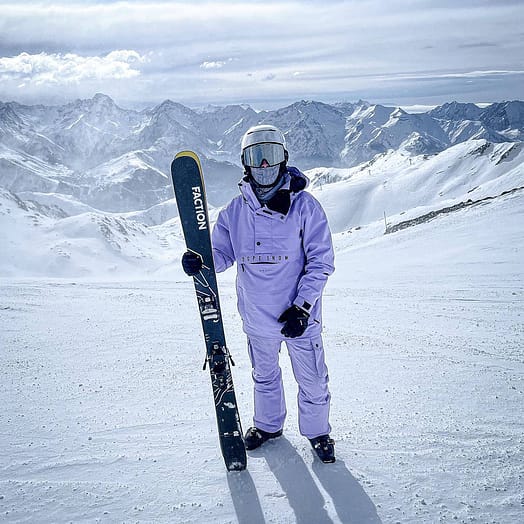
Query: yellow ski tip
{"type": "Point", "coordinates": [189, 154]}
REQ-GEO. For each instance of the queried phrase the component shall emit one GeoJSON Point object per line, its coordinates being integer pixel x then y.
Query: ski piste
{"type": "Point", "coordinates": [190, 194]}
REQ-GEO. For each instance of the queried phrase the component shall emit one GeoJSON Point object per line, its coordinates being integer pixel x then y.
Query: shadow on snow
{"type": "Point", "coordinates": [352, 504]}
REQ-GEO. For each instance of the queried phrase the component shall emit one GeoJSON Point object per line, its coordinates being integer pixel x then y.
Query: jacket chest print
{"type": "Point", "coordinates": [263, 259]}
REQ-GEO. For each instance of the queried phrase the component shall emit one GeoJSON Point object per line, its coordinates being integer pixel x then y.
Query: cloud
{"type": "Point", "coordinates": [204, 51]}
{"type": "Point", "coordinates": [68, 68]}
{"type": "Point", "coordinates": [212, 65]}
{"type": "Point", "coordinates": [477, 45]}
{"type": "Point", "coordinates": [454, 75]}
{"type": "Point", "coordinates": [479, 74]}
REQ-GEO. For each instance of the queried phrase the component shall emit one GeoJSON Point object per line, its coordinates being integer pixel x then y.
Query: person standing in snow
{"type": "Point", "coordinates": [278, 235]}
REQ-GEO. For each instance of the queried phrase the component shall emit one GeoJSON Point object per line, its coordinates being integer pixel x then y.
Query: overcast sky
{"type": "Point", "coordinates": [265, 53]}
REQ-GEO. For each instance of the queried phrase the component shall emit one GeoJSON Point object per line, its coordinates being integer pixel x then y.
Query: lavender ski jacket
{"type": "Point", "coordinates": [281, 259]}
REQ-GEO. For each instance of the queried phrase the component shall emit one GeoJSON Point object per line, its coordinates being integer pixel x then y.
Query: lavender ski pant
{"type": "Point", "coordinates": [311, 374]}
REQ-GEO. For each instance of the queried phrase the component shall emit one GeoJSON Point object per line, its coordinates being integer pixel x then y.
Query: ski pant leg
{"type": "Point", "coordinates": [270, 404]}
{"type": "Point", "coordinates": [311, 374]}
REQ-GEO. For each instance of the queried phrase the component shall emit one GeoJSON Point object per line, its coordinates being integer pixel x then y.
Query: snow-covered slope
{"type": "Point", "coordinates": [20, 171]}
{"type": "Point", "coordinates": [67, 203]}
{"type": "Point", "coordinates": [471, 241]}
{"type": "Point", "coordinates": [43, 240]}
{"type": "Point", "coordinates": [130, 180]}
{"type": "Point", "coordinates": [403, 187]}
{"type": "Point", "coordinates": [396, 184]}
{"type": "Point", "coordinates": [107, 415]}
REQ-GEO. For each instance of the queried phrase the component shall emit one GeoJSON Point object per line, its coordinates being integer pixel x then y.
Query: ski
{"type": "Point", "coordinates": [190, 195]}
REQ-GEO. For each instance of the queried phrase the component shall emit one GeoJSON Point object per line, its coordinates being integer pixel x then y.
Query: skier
{"type": "Point", "coordinates": [280, 239]}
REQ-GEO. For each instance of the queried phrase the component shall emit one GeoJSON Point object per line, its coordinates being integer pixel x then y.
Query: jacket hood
{"type": "Point", "coordinates": [297, 180]}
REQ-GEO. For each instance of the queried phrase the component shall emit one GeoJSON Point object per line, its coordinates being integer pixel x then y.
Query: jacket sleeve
{"type": "Point", "coordinates": [223, 255]}
{"type": "Point", "coordinates": [318, 249]}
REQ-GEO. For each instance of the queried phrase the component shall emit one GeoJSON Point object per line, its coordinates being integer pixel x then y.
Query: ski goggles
{"type": "Point", "coordinates": [271, 152]}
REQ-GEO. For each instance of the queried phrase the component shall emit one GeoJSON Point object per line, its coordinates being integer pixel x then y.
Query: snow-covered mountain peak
{"type": "Point", "coordinates": [375, 114]}
{"type": "Point", "coordinates": [351, 109]}
{"type": "Point", "coordinates": [102, 100]}
{"type": "Point", "coordinates": [398, 113]}
{"type": "Point", "coordinates": [456, 111]}
{"type": "Point", "coordinates": [169, 105]}
{"type": "Point", "coordinates": [505, 116]}
{"type": "Point", "coordinates": [95, 109]}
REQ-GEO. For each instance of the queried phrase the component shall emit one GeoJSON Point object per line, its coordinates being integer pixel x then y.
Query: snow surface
{"type": "Point", "coordinates": [107, 416]}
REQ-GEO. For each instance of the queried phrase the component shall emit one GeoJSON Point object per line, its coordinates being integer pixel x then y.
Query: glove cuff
{"type": "Point", "coordinates": [303, 305]}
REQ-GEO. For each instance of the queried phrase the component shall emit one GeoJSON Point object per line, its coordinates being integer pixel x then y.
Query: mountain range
{"type": "Point", "coordinates": [85, 187]}
{"type": "Point", "coordinates": [117, 160]}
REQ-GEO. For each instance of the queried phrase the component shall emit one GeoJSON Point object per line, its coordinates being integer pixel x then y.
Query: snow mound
{"type": "Point", "coordinates": [40, 240]}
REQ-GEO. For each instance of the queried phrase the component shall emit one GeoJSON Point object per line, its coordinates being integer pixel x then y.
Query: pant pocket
{"type": "Point", "coordinates": [251, 353]}
{"type": "Point", "coordinates": [320, 362]}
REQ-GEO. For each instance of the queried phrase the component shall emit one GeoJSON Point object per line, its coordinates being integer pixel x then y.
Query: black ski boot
{"type": "Point", "coordinates": [255, 437]}
{"type": "Point", "coordinates": [324, 447]}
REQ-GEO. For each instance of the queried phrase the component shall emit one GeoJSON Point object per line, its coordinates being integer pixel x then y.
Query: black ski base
{"type": "Point", "coordinates": [234, 452]}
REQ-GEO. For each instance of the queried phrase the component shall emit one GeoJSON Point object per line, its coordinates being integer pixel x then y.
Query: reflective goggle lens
{"type": "Point", "coordinates": [272, 153]}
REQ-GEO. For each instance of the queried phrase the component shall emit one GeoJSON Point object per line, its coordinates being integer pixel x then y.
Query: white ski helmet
{"type": "Point", "coordinates": [263, 142]}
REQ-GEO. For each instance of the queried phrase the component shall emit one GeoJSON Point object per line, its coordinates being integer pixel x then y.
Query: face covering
{"type": "Point", "coordinates": [264, 194]}
{"type": "Point", "coordinates": [265, 176]}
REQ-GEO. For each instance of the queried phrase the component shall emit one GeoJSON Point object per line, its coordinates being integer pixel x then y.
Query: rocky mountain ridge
{"type": "Point", "coordinates": [118, 160]}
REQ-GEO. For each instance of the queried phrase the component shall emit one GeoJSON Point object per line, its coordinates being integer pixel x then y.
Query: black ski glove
{"type": "Point", "coordinates": [295, 321]}
{"type": "Point", "coordinates": [191, 263]}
